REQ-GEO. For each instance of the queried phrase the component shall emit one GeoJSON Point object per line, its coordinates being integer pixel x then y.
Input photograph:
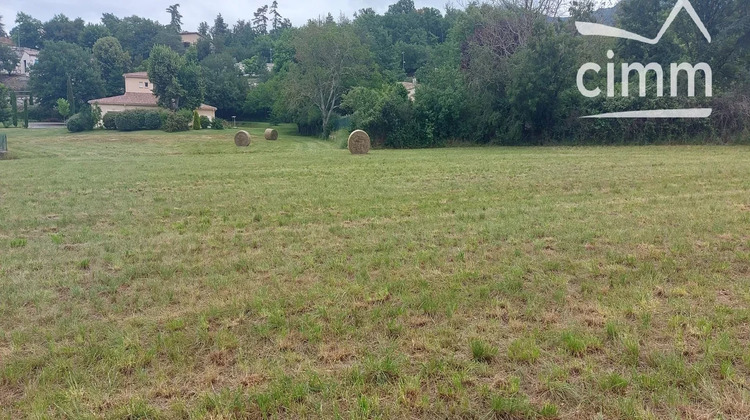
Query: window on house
{"type": "Point", "coordinates": [140, 85]}
{"type": "Point", "coordinates": [146, 84]}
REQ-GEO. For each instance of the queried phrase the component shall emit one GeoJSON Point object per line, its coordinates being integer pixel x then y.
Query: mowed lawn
{"type": "Point", "coordinates": [155, 275]}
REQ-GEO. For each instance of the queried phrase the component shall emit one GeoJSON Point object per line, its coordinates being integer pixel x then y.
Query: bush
{"type": "Point", "coordinates": [108, 120]}
{"type": "Point", "coordinates": [139, 119]}
{"type": "Point", "coordinates": [82, 121]}
{"type": "Point", "coordinates": [217, 124]}
{"type": "Point", "coordinates": [205, 122]}
{"type": "Point", "coordinates": [128, 121]}
{"type": "Point", "coordinates": [152, 120]}
{"type": "Point", "coordinates": [177, 121]}
{"type": "Point", "coordinates": [196, 121]}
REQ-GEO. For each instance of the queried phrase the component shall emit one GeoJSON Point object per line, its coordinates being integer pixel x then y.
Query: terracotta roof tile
{"type": "Point", "coordinates": [129, 98]}
{"type": "Point", "coordinates": [138, 99]}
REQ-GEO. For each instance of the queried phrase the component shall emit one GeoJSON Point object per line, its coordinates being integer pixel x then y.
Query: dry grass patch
{"type": "Point", "coordinates": [162, 282]}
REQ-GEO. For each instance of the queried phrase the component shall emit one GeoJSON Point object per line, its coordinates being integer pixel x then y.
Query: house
{"type": "Point", "coordinates": [29, 57]}
{"type": "Point", "coordinates": [139, 94]}
{"type": "Point", "coordinates": [190, 38]}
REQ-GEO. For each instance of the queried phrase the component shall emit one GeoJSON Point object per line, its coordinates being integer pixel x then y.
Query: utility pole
{"type": "Point", "coordinates": [403, 62]}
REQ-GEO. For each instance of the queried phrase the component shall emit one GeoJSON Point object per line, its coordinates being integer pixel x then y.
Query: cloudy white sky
{"type": "Point", "coordinates": [193, 11]}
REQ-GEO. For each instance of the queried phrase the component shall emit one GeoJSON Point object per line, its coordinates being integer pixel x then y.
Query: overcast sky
{"type": "Point", "coordinates": [193, 12]}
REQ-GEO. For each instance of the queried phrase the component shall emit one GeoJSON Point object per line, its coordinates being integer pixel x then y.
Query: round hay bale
{"type": "Point", "coordinates": [271, 134]}
{"type": "Point", "coordinates": [242, 138]}
{"type": "Point", "coordinates": [359, 142]}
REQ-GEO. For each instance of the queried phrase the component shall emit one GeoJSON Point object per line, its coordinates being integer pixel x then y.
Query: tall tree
{"type": "Point", "coordinates": [203, 28]}
{"type": "Point", "coordinates": [62, 61]}
{"type": "Point", "coordinates": [14, 108]}
{"type": "Point", "coordinates": [220, 27]}
{"type": "Point", "coordinates": [330, 59]}
{"type": "Point", "coordinates": [276, 20]}
{"type": "Point", "coordinates": [260, 20]}
{"type": "Point", "coordinates": [219, 33]}
{"type": "Point", "coordinates": [226, 88]}
{"type": "Point", "coordinates": [28, 31]}
{"type": "Point", "coordinates": [113, 62]}
{"type": "Point", "coordinates": [2, 27]}
{"type": "Point", "coordinates": [60, 28]}
{"type": "Point", "coordinates": [177, 84]}
{"type": "Point", "coordinates": [92, 33]}
{"type": "Point", "coordinates": [175, 21]}
{"type": "Point", "coordinates": [5, 111]}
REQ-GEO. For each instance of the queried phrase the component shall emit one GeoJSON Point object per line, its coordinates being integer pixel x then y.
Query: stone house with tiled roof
{"type": "Point", "coordinates": [139, 94]}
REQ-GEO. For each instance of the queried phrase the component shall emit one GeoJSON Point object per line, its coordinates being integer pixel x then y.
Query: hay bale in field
{"type": "Point", "coordinates": [242, 138]}
{"type": "Point", "coordinates": [271, 134]}
{"type": "Point", "coordinates": [359, 142]}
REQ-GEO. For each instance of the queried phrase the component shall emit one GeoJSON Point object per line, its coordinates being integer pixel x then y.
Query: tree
{"type": "Point", "coordinates": [227, 88]}
{"type": "Point", "coordinates": [175, 22]}
{"type": "Point", "coordinates": [61, 64]}
{"type": "Point", "coordinates": [137, 36]}
{"type": "Point", "coordinates": [177, 84]}
{"type": "Point", "coordinates": [330, 59]}
{"type": "Point", "coordinates": [219, 33]}
{"type": "Point", "coordinates": [260, 20]}
{"type": "Point", "coordinates": [203, 28]}
{"type": "Point", "coordinates": [71, 96]}
{"type": "Point", "coordinates": [14, 108]}
{"type": "Point", "coordinates": [60, 28]}
{"type": "Point", "coordinates": [8, 59]}
{"type": "Point", "coordinates": [28, 31]}
{"type": "Point", "coordinates": [276, 19]}
{"type": "Point", "coordinates": [25, 113]}
{"type": "Point", "coordinates": [92, 33]}
{"type": "Point", "coordinates": [113, 62]}
{"type": "Point", "coordinates": [5, 111]}
{"type": "Point", "coordinates": [63, 108]}
{"type": "Point", "coordinates": [220, 27]}
{"type": "Point", "coordinates": [2, 27]}
{"type": "Point", "coordinates": [196, 120]}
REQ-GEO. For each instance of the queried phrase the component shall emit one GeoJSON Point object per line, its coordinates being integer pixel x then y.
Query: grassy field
{"type": "Point", "coordinates": [155, 275]}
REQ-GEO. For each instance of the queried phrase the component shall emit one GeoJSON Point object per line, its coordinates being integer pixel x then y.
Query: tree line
{"type": "Point", "coordinates": [503, 72]}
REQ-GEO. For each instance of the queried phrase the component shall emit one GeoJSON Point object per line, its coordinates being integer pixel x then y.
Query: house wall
{"type": "Point", "coordinates": [27, 59]}
{"type": "Point", "coordinates": [207, 113]}
{"type": "Point", "coordinates": [120, 108]}
{"type": "Point", "coordinates": [138, 85]}
{"type": "Point", "coordinates": [190, 38]}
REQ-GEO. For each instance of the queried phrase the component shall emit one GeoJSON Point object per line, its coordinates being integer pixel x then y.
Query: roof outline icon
{"type": "Point", "coordinates": [596, 29]}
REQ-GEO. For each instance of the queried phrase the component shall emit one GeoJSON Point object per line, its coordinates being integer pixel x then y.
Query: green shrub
{"type": "Point", "coordinates": [82, 121]}
{"type": "Point", "coordinates": [139, 119]}
{"type": "Point", "coordinates": [177, 121]}
{"type": "Point", "coordinates": [76, 124]}
{"type": "Point", "coordinates": [108, 120]}
{"type": "Point", "coordinates": [152, 120]}
{"type": "Point", "coordinates": [217, 124]}
{"type": "Point", "coordinates": [205, 122]}
{"type": "Point", "coordinates": [196, 121]}
{"type": "Point", "coordinates": [128, 120]}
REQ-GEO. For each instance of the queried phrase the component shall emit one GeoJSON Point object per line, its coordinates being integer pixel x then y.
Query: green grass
{"type": "Point", "coordinates": [155, 275]}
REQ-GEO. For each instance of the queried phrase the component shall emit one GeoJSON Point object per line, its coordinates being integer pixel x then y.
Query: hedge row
{"type": "Point", "coordinates": [146, 119]}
